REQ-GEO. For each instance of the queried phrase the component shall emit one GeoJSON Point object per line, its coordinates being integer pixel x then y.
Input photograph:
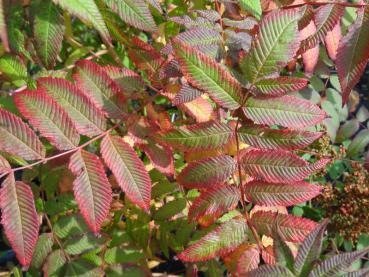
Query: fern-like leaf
{"type": "Point", "coordinates": [208, 172]}
{"type": "Point", "coordinates": [48, 30]}
{"type": "Point", "coordinates": [293, 228]}
{"type": "Point", "coordinates": [207, 135]}
{"type": "Point", "coordinates": [48, 117]}
{"type": "Point", "coordinates": [205, 73]}
{"type": "Point", "coordinates": [99, 87]}
{"type": "Point", "coordinates": [134, 12]}
{"type": "Point", "coordinates": [221, 241]}
{"type": "Point", "coordinates": [278, 166]}
{"type": "Point", "coordinates": [18, 139]}
{"type": "Point", "coordinates": [88, 119]}
{"type": "Point", "coordinates": [275, 45]}
{"type": "Point", "coordinates": [86, 10]}
{"type": "Point", "coordinates": [353, 54]}
{"type": "Point", "coordinates": [19, 219]}
{"type": "Point", "coordinates": [287, 111]}
{"type": "Point", "coordinates": [91, 188]}
{"type": "Point", "coordinates": [278, 86]}
{"type": "Point", "coordinates": [280, 194]}
{"type": "Point", "coordinates": [128, 169]}
{"type": "Point", "coordinates": [214, 202]}
{"type": "Point", "coordinates": [287, 139]}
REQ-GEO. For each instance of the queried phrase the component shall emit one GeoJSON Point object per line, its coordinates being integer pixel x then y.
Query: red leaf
{"type": "Point", "coordinates": [208, 172]}
{"type": "Point", "coordinates": [128, 169]}
{"type": "Point", "coordinates": [214, 201]}
{"type": "Point", "coordinates": [94, 82]}
{"type": "Point", "coordinates": [353, 54]}
{"type": "Point", "coordinates": [245, 258]}
{"type": "Point", "coordinates": [48, 117]}
{"type": "Point", "coordinates": [19, 219]}
{"type": "Point", "coordinates": [293, 228]}
{"type": "Point", "coordinates": [278, 166]}
{"type": "Point", "coordinates": [311, 56]}
{"type": "Point", "coordinates": [91, 188]}
{"type": "Point", "coordinates": [18, 139]}
{"type": "Point", "coordinates": [280, 194]}
{"type": "Point", "coordinates": [332, 40]}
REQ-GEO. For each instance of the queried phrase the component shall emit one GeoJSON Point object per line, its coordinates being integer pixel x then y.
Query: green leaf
{"type": "Point", "coordinates": [205, 73]}
{"type": "Point", "coordinates": [81, 268]}
{"type": "Point", "coordinates": [282, 252]}
{"type": "Point", "coordinates": [48, 31]}
{"type": "Point", "coordinates": [207, 135]}
{"type": "Point", "coordinates": [309, 250]}
{"type": "Point", "coordinates": [14, 69]}
{"type": "Point", "coordinates": [122, 255]}
{"type": "Point", "coordinates": [170, 209]}
{"type": "Point", "coordinates": [42, 250]}
{"type": "Point", "coordinates": [359, 143]}
{"type": "Point", "coordinates": [134, 12]}
{"type": "Point", "coordinates": [82, 243]}
{"type": "Point", "coordinates": [86, 10]}
{"type": "Point", "coordinates": [278, 40]}
{"type": "Point", "coordinates": [70, 225]}
{"type": "Point", "coordinates": [252, 6]}
{"type": "Point", "coordinates": [222, 240]}
{"type": "Point", "coordinates": [54, 265]}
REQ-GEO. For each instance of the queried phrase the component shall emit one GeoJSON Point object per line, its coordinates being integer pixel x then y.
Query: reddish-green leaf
{"type": "Point", "coordinates": [222, 240]}
{"type": "Point", "coordinates": [205, 73]}
{"type": "Point", "coordinates": [93, 81]}
{"type": "Point", "coordinates": [353, 54]}
{"type": "Point", "coordinates": [214, 202]}
{"type": "Point", "coordinates": [48, 30]}
{"type": "Point", "coordinates": [280, 194]}
{"type": "Point", "coordinates": [207, 135]}
{"type": "Point", "coordinates": [87, 11]}
{"type": "Point", "coordinates": [128, 169]}
{"type": "Point", "coordinates": [186, 94]}
{"type": "Point", "coordinates": [88, 119]}
{"type": "Point", "coordinates": [48, 117]}
{"type": "Point", "coordinates": [287, 111]}
{"type": "Point", "coordinates": [293, 228]}
{"type": "Point", "coordinates": [207, 173]}
{"type": "Point", "coordinates": [19, 219]}
{"type": "Point", "coordinates": [279, 86]}
{"type": "Point", "coordinates": [287, 139]}
{"type": "Point", "coordinates": [244, 259]}
{"type": "Point", "coordinates": [270, 271]}
{"type": "Point", "coordinates": [275, 45]}
{"type": "Point", "coordinates": [278, 166]}
{"type": "Point", "coordinates": [134, 12]}
{"type": "Point", "coordinates": [18, 139]}
{"type": "Point", "coordinates": [91, 188]}
{"type": "Point", "coordinates": [326, 18]}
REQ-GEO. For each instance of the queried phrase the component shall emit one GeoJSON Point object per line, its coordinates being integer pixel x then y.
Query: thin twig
{"type": "Point", "coordinates": [343, 4]}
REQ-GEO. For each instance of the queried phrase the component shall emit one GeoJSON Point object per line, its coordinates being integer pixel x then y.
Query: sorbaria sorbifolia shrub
{"type": "Point", "coordinates": [141, 131]}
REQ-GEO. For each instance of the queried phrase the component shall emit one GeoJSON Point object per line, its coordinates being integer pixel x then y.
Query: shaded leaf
{"type": "Point", "coordinates": [42, 250]}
